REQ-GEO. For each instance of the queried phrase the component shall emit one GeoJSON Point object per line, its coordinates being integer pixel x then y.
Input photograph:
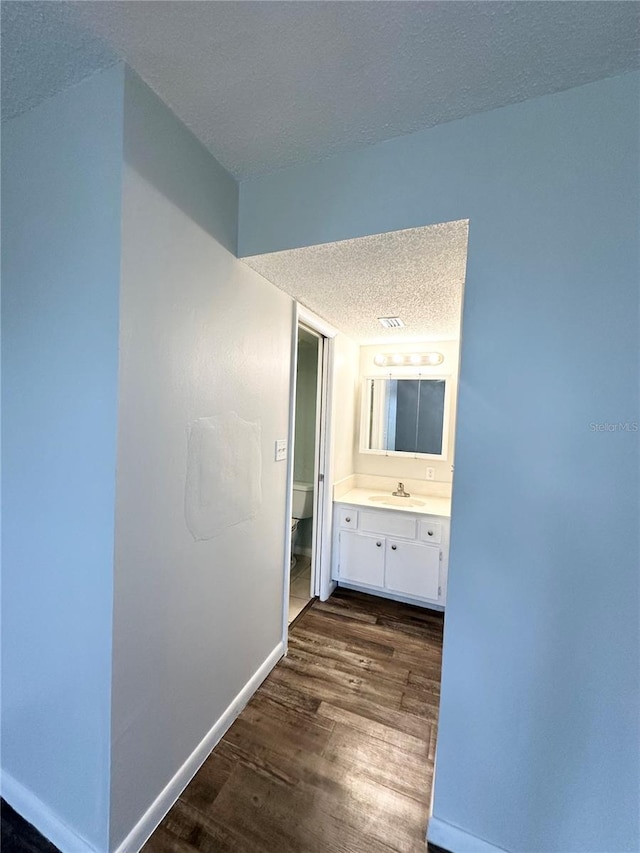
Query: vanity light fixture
{"type": "Point", "coordinates": [408, 359]}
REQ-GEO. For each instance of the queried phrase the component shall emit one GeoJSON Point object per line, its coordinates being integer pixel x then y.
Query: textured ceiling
{"type": "Point", "coordinates": [417, 275]}
{"type": "Point", "coordinates": [269, 84]}
{"type": "Point", "coordinates": [44, 50]}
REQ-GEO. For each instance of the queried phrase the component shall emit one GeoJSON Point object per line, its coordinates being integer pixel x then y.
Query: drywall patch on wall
{"type": "Point", "coordinates": [200, 335]}
{"type": "Point", "coordinates": [223, 483]}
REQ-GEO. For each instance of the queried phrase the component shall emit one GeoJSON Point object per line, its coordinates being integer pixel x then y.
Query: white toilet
{"type": "Point", "coordinates": [301, 507]}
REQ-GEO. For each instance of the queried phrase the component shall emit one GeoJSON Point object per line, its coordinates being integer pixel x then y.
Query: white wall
{"type": "Point", "coordinates": [61, 172]}
{"type": "Point", "coordinates": [401, 467]}
{"type": "Point", "coordinates": [343, 394]}
{"type": "Point", "coordinates": [201, 335]}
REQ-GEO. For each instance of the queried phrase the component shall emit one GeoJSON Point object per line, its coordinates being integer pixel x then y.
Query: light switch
{"type": "Point", "coordinates": [281, 449]}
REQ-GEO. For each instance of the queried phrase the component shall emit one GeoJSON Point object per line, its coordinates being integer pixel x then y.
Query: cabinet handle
{"type": "Point", "coordinates": [348, 519]}
{"type": "Point", "coordinates": [378, 544]}
{"type": "Point", "coordinates": [394, 547]}
{"type": "Point", "coordinates": [429, 532]}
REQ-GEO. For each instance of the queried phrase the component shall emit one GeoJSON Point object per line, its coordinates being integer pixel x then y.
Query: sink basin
{"type": "Point", "coordinates": [390, 500]}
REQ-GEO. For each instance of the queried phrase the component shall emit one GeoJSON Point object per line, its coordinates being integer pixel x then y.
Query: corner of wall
{"type": "Point", "coordinates": [213, 203]}
{"type": "Point", "coordinates": [61, 200]}
{"type": "Point", "coordinates": [203, 338]}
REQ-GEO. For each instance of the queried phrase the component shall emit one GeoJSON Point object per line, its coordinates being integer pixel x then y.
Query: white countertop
{"type": "Point", "coordinates": [430, 505]}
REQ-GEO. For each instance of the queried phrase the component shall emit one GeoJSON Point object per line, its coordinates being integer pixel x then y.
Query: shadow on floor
{"type": "Point", "coordinates": [18, 836]}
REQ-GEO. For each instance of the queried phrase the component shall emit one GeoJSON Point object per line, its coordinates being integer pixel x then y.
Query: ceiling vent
{"type": "Point", "coordinates": [391, 322]}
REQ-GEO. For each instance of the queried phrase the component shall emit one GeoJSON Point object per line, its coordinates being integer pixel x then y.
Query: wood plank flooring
{"type": "Point", "coordinates": [18, 836]}
{"type": "Point", "coordinates": [334, 753]}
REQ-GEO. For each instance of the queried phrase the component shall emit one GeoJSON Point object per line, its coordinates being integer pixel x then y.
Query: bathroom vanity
{"type": "Point", "coordinates": [395, 547]}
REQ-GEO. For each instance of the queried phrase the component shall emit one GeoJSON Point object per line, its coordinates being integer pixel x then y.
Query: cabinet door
{"type": "Point", "coordinates": [361, 558]}
{"type": "Point", "coordinates": [412, 568]}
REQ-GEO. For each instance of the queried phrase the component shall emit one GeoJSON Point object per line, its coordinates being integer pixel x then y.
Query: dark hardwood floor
{"type": "Point", "coordinates": [18, 836]}
{"type": "Point", "coordinates": [334, 753]}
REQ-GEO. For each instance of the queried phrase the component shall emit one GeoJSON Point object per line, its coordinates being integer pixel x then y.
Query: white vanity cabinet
{"type": "Point", "coordinates": [392, 553]}
{"type": "Point", "coordinates": [362, 558]}
{"type": "Point", "coordinates": [412, 568]}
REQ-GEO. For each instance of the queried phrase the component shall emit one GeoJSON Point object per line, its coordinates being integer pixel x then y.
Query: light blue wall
{"type": "Point", "coordinates": [538, 745]}
{"type": "Point", "coordinates": [61, 188]}
{"type": "Point", "coordinates": [169, 157]}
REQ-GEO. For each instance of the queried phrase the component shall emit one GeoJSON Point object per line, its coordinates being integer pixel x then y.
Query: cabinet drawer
{"type": "Point", "coordinates": [388, 524]}
{"type": "Point", "coordinates": [430, 531]}
{"type": "Point", "coordinates": [348, 518]}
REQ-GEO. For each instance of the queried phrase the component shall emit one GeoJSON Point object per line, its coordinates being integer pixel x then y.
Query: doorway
{"type": "Point", "coordinates": [313, 544]}
{"type": "Point", "coordinates": [306, 461]}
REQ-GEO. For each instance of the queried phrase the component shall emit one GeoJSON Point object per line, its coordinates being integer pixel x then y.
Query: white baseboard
{"type": "Point", "coordinates": [168, 796]}
{"type": "Point", "coordinates": [456, 840]}
{"type": "Point", "coordinates": [46, 821]}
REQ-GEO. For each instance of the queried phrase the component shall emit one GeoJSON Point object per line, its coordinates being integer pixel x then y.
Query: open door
{"type": "Point", "coordinates": [309, 533]}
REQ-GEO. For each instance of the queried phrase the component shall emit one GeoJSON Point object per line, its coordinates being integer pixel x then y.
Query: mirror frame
{"type": "Point", "coordinates": [365, 397]}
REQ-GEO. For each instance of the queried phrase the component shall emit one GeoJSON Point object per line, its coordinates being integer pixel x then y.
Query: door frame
{"type": "Point", "coordinates": [323, 486]}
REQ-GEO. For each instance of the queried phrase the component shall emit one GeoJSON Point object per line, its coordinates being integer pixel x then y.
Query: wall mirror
{"type": "Point", "coordinates": [405, 416]}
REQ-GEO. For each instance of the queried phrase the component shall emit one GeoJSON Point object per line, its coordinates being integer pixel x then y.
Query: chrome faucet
{"type": "Point", "coordinates": [401, 492]}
